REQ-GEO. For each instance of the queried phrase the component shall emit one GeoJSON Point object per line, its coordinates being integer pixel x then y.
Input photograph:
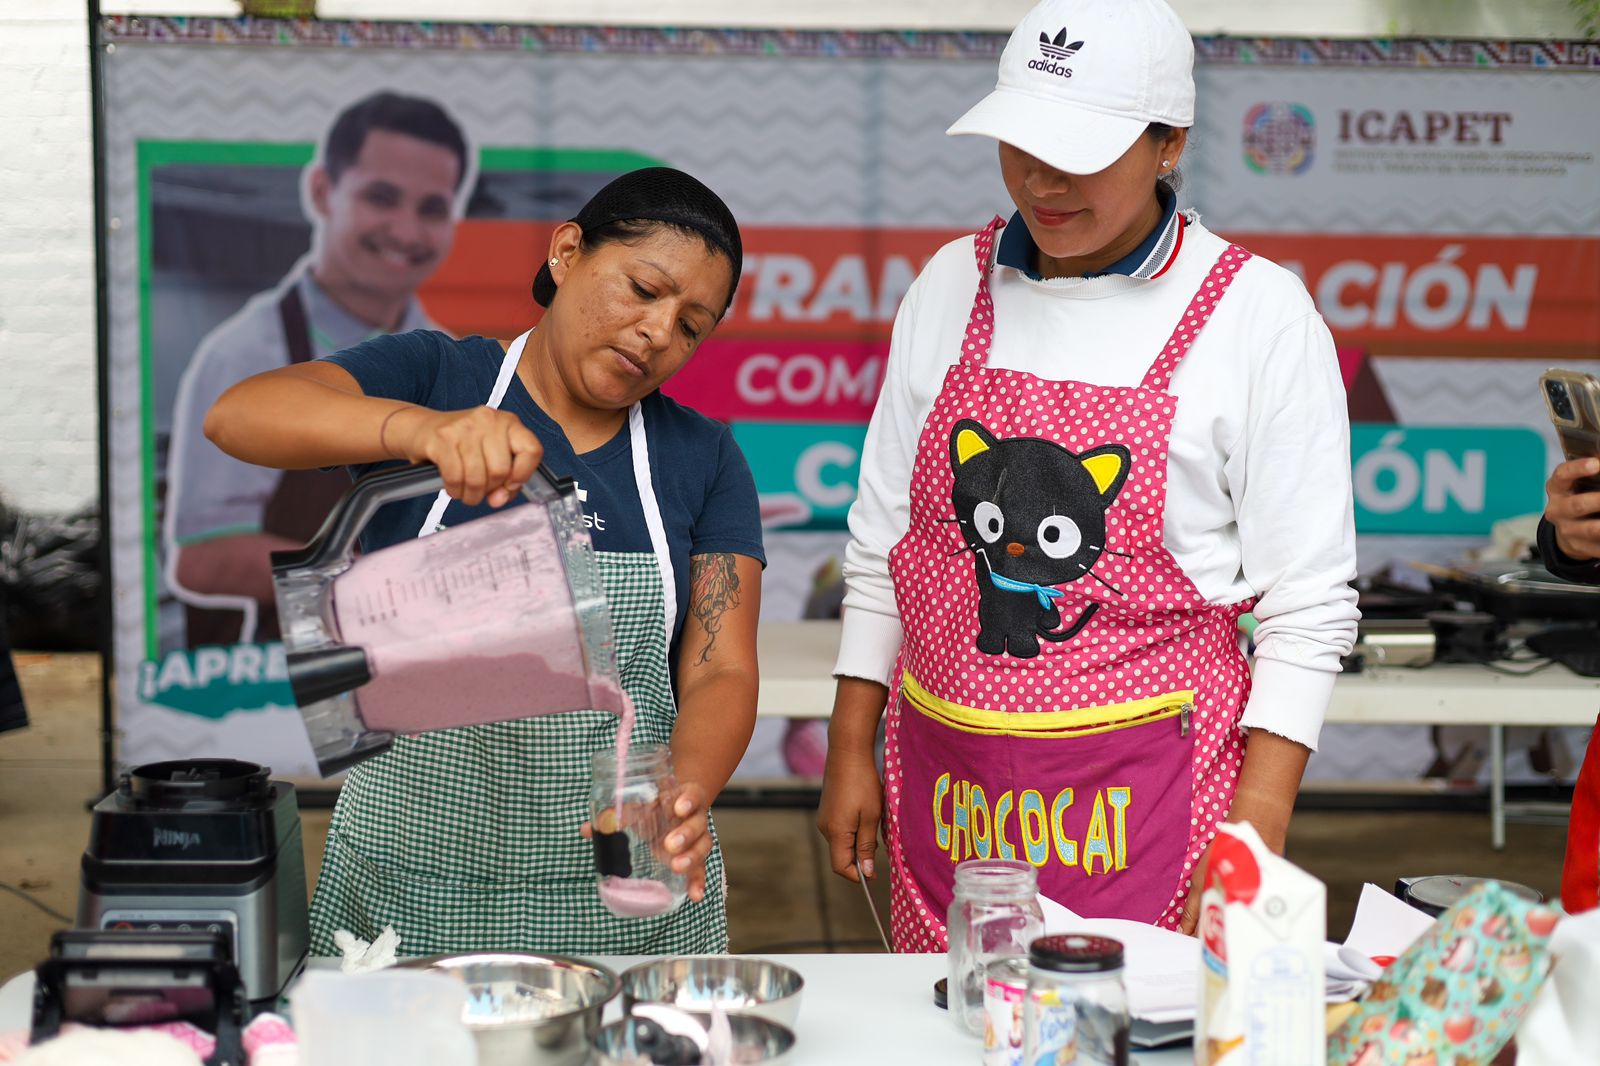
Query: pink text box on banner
{"type": "Point", "coordinates": [783, 381]}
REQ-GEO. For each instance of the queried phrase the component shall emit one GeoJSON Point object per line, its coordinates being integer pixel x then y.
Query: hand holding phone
{"type": "Point", "coordinates": [1573, 491]}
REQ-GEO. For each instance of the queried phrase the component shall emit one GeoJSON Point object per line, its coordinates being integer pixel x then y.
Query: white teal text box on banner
{"type": "Point", "coordinates": [213, 681]}
{"type": "Point", "coordinates": [1450, 481]}
{"type": "Point", "coordinates": [805, 472]}
{"type": "Point", "coordinates": [1444, 479]}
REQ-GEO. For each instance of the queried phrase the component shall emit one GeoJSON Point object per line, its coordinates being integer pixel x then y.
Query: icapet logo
{"type": "Point", "coordinates": [1279, 138]}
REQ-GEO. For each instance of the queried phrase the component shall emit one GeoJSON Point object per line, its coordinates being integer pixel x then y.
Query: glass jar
{"type": "Point", "coordinates": [630, 808]}
{"type": "Point", "coordinates": [1076, 1009]}
{"type": "Point", "coordinates": [994, 914]}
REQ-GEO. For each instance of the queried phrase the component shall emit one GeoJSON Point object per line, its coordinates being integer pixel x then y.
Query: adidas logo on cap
{"type": "Point", "coordinates": [1058, 48]}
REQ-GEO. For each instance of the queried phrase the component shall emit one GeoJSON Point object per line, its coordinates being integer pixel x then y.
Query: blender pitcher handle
{"type": "Point", "coordinates": [337, 537]}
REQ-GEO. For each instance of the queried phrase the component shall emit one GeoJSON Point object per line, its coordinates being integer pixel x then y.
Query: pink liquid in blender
{"type": "Point", "coordinates": [479, 627]}
{"type": "Point", "coordinates": [631, 897]}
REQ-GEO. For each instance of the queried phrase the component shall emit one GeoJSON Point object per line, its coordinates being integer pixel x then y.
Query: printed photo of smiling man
{"type": "Point", "coordinates": [383, 196]}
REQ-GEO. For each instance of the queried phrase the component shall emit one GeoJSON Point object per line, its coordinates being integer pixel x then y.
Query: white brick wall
{"type": "Point", "coordinates": [47, 317]}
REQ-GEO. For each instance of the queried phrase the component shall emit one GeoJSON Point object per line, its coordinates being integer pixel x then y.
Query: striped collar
{"type": "Point", "coordinates": [1154, 254]}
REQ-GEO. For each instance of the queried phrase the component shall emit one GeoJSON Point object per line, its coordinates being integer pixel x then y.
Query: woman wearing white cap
{"type": "Point", "coordinates": [1105, 434]}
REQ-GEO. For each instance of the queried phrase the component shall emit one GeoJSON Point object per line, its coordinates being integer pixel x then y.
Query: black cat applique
{"type": "Point", "coordinates": [1033, 515]}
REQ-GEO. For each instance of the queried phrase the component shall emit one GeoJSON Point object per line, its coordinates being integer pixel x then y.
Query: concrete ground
{"type": "Point", "coordinates": [782, 895]}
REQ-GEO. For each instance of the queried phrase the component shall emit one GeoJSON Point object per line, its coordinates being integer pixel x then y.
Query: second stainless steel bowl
{"type": "Point", "coordinates": [739, 985]}
{"type": "Point", "coordinates": [755, 1041]}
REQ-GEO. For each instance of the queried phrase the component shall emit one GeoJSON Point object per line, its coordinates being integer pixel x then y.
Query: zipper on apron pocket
{"type": "Point", "coordinates": [1082, 721]}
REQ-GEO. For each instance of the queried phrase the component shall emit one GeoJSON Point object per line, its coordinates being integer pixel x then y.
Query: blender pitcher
{"type": "Point", "coordinates": [498, 619]}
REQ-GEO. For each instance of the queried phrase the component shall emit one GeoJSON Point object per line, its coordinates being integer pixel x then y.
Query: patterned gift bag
{"type": "Point", "coordinates": [1458, 994]}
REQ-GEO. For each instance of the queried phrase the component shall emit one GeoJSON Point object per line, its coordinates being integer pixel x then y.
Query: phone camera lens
{"type": "Point", "coordinates": [1560, 402]}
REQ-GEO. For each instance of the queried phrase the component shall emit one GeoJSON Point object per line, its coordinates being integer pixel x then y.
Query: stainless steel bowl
{"type": "Point", "coordinates": [741, 986]}
{"type": "Point", "coordinates": [529, 1010]}
{"type": "Point", "coordinates": [755, 1040]}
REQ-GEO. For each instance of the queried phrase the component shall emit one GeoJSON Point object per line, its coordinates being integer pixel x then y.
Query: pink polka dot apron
{"type": "Point", "coordinates": [1066, 695]}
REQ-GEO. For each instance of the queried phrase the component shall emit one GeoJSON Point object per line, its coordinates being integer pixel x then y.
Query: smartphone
{"type": "Point", "coordinates": [1573, 399]}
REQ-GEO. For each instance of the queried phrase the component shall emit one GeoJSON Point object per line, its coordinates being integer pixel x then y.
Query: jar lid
{"type": "Point", "coordinates": [1076, 953]}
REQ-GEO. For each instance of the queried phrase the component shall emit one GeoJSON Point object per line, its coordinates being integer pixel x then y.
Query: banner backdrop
{"type": "Point", "coordinates": [1440, 199]}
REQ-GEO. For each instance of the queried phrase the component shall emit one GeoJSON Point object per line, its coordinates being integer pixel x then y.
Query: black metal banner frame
{"type": "Point", "coordinates": [106, 630]}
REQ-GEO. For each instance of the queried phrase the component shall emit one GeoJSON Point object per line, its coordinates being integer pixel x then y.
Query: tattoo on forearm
{"type": "Point", "coordinates": [713, 590]}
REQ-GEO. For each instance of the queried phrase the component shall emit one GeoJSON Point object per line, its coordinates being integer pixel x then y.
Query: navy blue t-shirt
{"type": "Point", "coordinates": [702, 483]}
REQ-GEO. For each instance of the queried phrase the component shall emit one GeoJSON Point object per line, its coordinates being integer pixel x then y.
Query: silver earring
{"type": "Point", "coordinates": [556, 262]}
{"type": "Point", "coordinates": [1166, 163]}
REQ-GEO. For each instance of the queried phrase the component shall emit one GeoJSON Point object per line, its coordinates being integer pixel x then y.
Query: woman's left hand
{"type": "Point", "coordinates": [1270, 824]}
{"type": "Point", "coordinates": [689, 841]}
{"type": "Point", "coordinates": [1269, 779]}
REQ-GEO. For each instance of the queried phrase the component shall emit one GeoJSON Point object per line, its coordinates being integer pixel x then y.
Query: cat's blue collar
{"type": "Point", "coordinates": [1047, 596]}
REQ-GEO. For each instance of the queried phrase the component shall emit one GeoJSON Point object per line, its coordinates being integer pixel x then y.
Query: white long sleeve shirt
{"type": "Point", "coordinates": [1258, 474]}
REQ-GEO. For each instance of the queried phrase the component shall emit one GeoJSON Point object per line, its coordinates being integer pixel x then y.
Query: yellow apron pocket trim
{"type": "Point", "coordinates": [1080, 721]}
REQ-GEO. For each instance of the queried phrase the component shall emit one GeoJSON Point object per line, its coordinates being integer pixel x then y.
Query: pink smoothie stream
{"type": "Point", "coordinates": [631, 897]}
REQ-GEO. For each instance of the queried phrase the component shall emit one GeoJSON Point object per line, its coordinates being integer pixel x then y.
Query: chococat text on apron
{"type": "Point", "coordinates": [1065, 694]}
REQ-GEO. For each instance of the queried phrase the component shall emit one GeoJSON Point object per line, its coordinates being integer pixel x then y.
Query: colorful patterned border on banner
{"type": "Point", "coordinates": [1441, 54]}
{"type": "Point", "coordinates": [504, 37]}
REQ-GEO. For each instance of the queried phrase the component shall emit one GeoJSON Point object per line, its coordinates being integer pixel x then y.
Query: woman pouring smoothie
{"type": "Point", "coordinates": [468, 839]}
{"type": "Point", "coordinates": [1105, 433]}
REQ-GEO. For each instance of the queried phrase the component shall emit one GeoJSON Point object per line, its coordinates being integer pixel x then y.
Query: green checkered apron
{"type": "Point", "coordinates": [467, 839]}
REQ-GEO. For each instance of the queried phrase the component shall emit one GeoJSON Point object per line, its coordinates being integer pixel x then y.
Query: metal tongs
{"type": "Point", "coordinates": [861, 878]}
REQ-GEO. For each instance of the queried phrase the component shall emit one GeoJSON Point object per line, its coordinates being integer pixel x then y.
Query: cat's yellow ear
{"type": "Point", "coordinates": [1104, 469]}
{"type": "Point", "coordinates": [969, 444]}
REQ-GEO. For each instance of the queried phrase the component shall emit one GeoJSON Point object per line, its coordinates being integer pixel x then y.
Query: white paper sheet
{"type": "Point", "coordinates": [1385, 924]}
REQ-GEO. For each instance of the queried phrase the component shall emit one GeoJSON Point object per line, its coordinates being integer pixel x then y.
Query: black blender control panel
{"type": "Point", "coordinates": [176, 921]}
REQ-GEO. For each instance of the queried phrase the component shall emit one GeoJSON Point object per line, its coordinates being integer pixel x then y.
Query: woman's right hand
{"type": "Point", "coordinates": [852, 804]}
{"type": "Point", "coordinates": [483, 454]}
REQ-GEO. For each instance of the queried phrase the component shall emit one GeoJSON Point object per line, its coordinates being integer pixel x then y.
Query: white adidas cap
{"type": "Point", "coordinates": [1080, 80]}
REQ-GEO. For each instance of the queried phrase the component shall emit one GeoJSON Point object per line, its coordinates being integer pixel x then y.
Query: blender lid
{"type": "Point", "coordinates": [196, 784]}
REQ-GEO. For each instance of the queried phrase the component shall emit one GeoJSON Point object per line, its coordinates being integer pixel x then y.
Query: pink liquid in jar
{"type": "Point", "coordinates": [631, 897]}
{"type": "Point", "coordinates": [635, 897]}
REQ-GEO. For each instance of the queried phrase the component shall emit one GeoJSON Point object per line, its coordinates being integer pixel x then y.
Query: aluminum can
{"type": "Point", "coordinates": [1005, 986]}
